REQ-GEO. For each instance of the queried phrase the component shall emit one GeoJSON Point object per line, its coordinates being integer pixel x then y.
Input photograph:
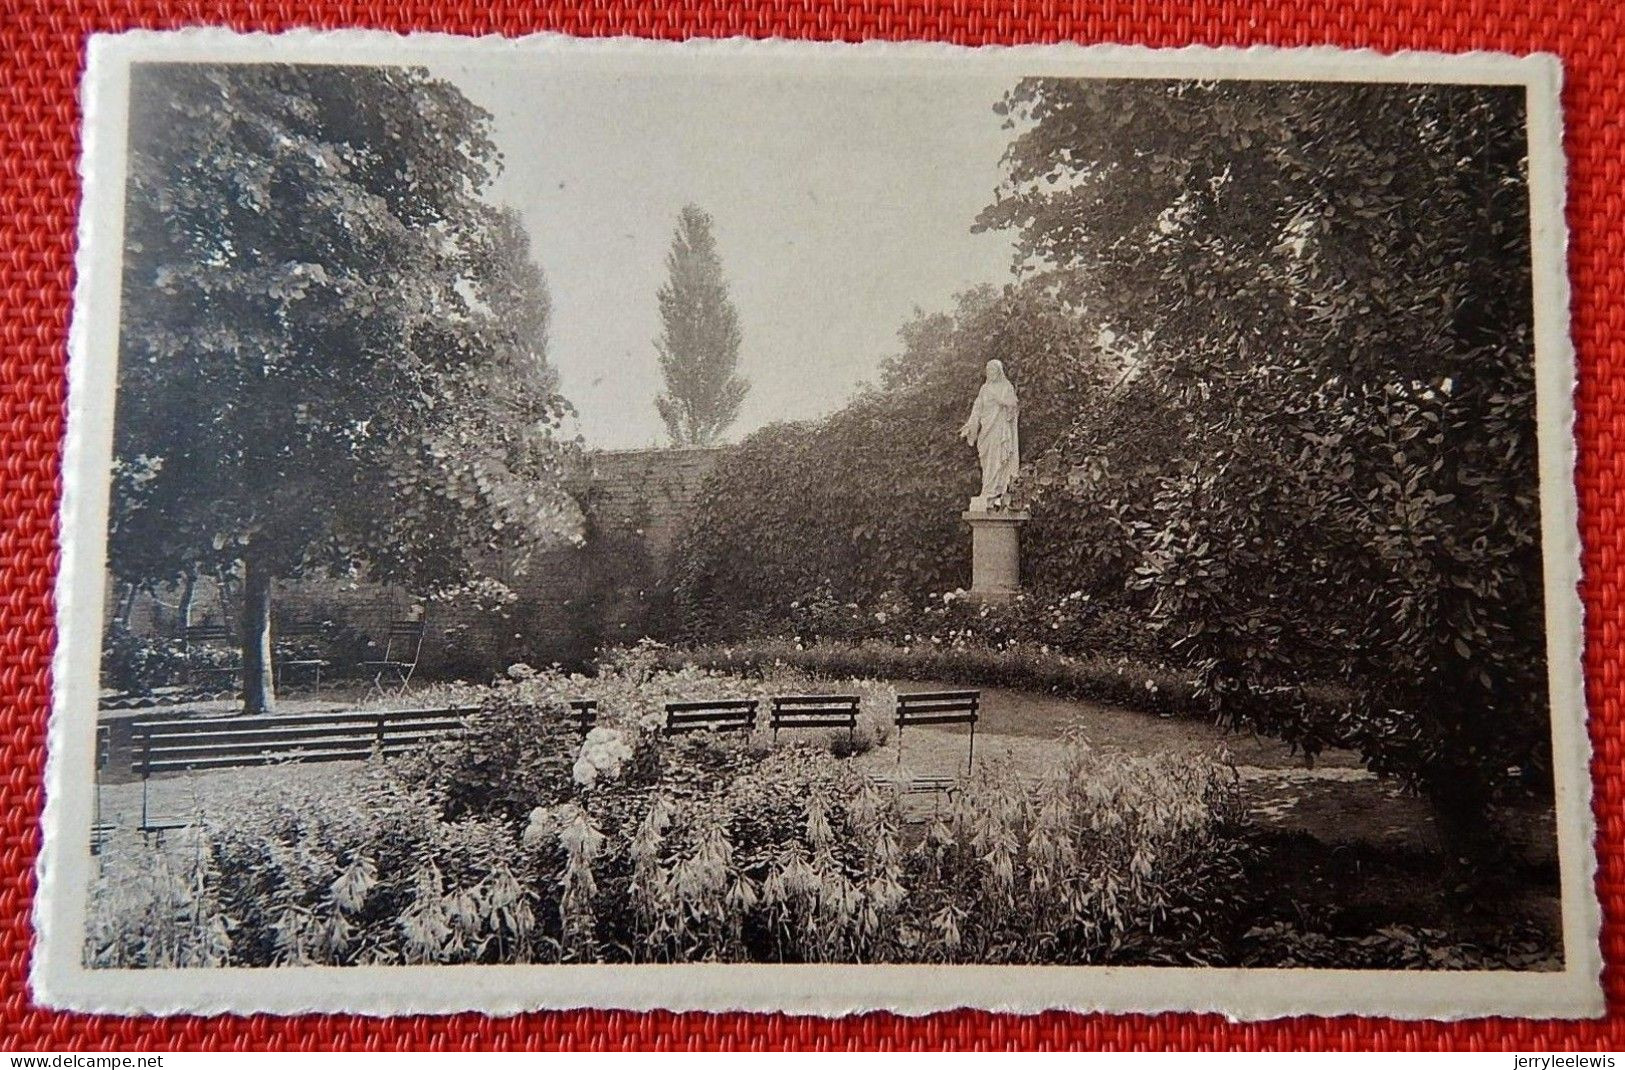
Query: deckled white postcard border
{"type": "Point", "coordinates": [60, 979]}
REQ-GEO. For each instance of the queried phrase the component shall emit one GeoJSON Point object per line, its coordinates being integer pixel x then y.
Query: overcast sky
{"type": "Point", "coordinates": [842, 203]}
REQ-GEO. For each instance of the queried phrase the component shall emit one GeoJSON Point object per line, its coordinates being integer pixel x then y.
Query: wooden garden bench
{"type": "Point", "coordinates": [403, 645]}
{"type": "Point", "coordinates": [300, 630]}
{"type": "Point", "coordinates": [711, 715]}
{"type": "Point", "coordinates": [938, 708]}
{"type": "Point", "coordinates": [583, 714]}
{"type": "Point", "coordinates": [218, 636]}
{"type": "Point", "coordinates": [100, 830]}
{"type": "Point", "coordinates": [208, 635]}
{"type": "Point", "coordinates": [815, 711]}
{"type": "Point", "coordinates": [937, 787]}
{"type": "Point", "coordinates": [919, 785]}
{"type": "Point", "coordinates": [189, 744]}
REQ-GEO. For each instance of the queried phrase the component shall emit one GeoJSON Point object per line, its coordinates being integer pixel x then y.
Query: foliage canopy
{"type": "Point", "coordinates": [331, 346]}
{"type": "Point", "coordinates": [1324, 459]}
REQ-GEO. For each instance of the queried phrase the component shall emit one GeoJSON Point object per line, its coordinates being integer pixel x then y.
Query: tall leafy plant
{"type": "Point", "coordinates": [1322, 460]}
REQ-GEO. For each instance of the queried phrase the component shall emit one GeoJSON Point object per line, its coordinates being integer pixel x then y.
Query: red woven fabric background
{"type": "Point", "coordinates": [42, 41]}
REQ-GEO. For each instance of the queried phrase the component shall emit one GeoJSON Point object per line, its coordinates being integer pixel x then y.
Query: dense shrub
{"type": "Point", "coordinates": [515, 754]}
{"type": "Point", "coordinates": [135, 664]}
{"type": "Point", "coordinates": [801, 860]}
{"type": "Point", "coordinates": [156, 907]}
{"type": "Point", "coordinates": [1103, 858]}
{"type": "Point", "coordinates": [521, 749]}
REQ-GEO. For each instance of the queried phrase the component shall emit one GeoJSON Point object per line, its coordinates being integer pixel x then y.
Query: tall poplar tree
{"type": "Point", "coordinates": [699, 342]}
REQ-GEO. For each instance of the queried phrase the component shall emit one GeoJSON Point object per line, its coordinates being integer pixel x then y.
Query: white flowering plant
{"type": "Point", "coordinates": [602, 754]}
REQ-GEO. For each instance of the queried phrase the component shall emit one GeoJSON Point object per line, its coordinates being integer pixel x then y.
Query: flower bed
{"type": "Point", "coordinates": [1118, 681]}
{"type": "Point", "coordinates": [521, 842]}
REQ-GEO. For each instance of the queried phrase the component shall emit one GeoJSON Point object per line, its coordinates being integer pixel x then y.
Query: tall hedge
{"type": "Point", "coordinates": [868, 499]}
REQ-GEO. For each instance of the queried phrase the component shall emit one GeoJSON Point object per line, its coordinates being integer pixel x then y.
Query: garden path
{"type": "Point", "coordinates": [1335, 800]}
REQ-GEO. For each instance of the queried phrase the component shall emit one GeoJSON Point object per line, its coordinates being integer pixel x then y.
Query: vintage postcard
{"type": "Point", "coordinates": [752, 525]}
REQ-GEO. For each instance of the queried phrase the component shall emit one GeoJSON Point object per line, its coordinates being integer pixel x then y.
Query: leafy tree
{"type": "Point", "coordinates": [1322, 462]}
{"type": "Point", "coordinates": [331, 347]}
{"type": "Point", "coordinates": [868, 499]}
{"type": "Point", "coordinates": [699, 342]}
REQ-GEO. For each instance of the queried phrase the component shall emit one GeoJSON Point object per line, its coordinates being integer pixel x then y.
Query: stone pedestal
{"type": "Point", "coordinates": [995, 551]}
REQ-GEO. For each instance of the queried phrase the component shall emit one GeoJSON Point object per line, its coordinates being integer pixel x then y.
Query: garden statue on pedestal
{"type": "Point", "coordinates": [991, 428]}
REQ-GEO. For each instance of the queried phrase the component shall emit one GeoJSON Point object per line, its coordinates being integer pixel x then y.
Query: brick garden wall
{"type": "Point", "coordinates": [651, 492]}
{"type": "Point", "coordinates": [570, 600]}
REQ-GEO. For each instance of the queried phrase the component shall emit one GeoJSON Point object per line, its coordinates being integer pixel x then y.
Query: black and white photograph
{"type": "Point", "coordinates": [818, 528]}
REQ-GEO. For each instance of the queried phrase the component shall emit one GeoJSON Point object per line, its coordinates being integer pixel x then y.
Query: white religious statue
{"type": "Point", "coordinates": [992, 430]}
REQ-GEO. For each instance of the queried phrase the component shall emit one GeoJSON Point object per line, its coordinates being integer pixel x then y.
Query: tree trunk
{"type": "Point", "coordinates": [127, 606]}
{"type": "Point", "coordinates": [226, 595]}
{"type": "Point", "coordinates": [183, 612]}
{"type": "Point", "coordinates": [1477, 864]}
{"type": "Point", "coordinates": [1461, 790]}
{"type": "Point", "coordinates": [259, 684]}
